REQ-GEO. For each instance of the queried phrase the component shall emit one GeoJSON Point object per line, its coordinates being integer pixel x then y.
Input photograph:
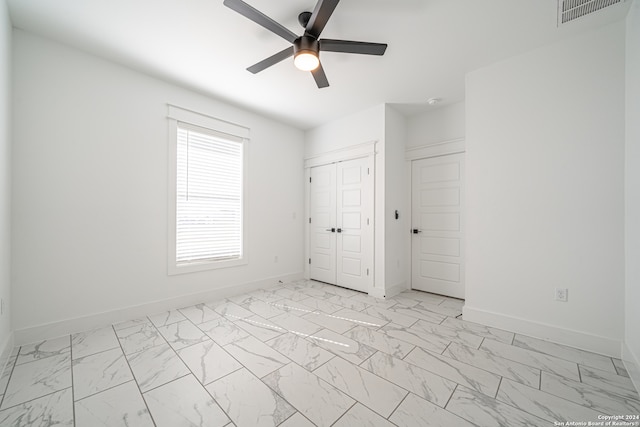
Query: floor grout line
{"type": "Point", "coordinates": [498, 389]}
{"type": "Point", "coordinates": [15, 361]}
{"type": "Point", "coordinates": [73, 395]}
{"type": "Point", "coordinates": [398, 405]}
{"type": "Point", "coordinates": [134, 378]}
{"type": "Point", "coordinates": [36, 398]}
{"type": "Point", "coordinates": [96, 353]}
{"type": "Point", "coordinates": [540, 380]}
{"type": "Point", "coordinates": [347, 411]}
{"type": "Point", "coordinates": [106, 389]}
{"type": "Point", "coordinates": [450, 397]}
{"type": "Point", "coordinates": [579, 373]}
{"type": "Point", "coordinates": [169, 382]}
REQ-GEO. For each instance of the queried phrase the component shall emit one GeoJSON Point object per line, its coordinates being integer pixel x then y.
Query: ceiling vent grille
{"type": "Point", "coordinates": [568, 10]}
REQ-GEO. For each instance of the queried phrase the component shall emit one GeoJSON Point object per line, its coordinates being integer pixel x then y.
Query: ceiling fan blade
{"type": "Point", "coordinates": [272, 60]}
{"type": "Point", "coordinates": [320, 77]}
{"type": "Point", "coordinates": [320, 17]}
{"type": "Point", "coordinates": [348, 46]}
{"type": "Point", "coordinates": [260, 18]}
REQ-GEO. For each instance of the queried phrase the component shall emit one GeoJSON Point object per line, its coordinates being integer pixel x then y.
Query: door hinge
{"type": "Point", "coordinates": [309, 260]}
{"type": "Point", "coordinates": [367, 171]}
{"type": "Point", "coordinates": [367, 271]}
{"type": "Point", "coordinates": [367, 221]}
{"type": "Point", "coordinates": [309, 179]}
{"type": "Point", "coordinates": [309, 220]}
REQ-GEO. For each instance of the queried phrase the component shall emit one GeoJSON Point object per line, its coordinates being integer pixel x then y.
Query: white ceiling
{"type": "Point", "coordinates": [202, 45]}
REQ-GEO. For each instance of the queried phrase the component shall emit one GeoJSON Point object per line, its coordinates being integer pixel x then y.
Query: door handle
{"type": "Point", "coordinates": [416, 231]}
{"type": "Point", "coordinates": [333, 230]}
{"type": "Point", "coordinates": [339, 230]}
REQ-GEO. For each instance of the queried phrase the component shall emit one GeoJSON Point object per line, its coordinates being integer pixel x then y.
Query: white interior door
{"type": "Point", "coordinates": [352, 244]}
{"type": "Point", "coordinates": [322, 241]}
{"type": "Point", "coordinates": [437, 215]}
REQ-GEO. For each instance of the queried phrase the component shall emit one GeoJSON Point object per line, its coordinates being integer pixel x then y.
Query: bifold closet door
{"type": "Point", "coordinates": [322, 240]}
{"type": "Point", "coordinates": [341, 241]}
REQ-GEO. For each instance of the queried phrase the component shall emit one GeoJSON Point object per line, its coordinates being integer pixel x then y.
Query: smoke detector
{"type": "Point", "coordinates": [569, 10]}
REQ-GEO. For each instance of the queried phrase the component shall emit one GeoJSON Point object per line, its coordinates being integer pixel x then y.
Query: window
{"type": "Point", "coordinates": [206, 230]}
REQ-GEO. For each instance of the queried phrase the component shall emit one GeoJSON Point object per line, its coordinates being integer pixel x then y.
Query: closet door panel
{"type": "Point", "coordinates": [351, 207]}
{"type": "Point", "coordinates": [322, 241]}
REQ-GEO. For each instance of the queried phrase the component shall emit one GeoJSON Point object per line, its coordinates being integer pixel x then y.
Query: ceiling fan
{"type": "Point", "coordinates": [306, 48]}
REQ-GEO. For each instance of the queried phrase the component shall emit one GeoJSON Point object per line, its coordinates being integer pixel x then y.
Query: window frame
{"type": "Point", "coordinates": [215, 126]}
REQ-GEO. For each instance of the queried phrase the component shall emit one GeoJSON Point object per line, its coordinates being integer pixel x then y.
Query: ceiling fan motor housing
{"type": "Point", "coordinates": [305, 44]}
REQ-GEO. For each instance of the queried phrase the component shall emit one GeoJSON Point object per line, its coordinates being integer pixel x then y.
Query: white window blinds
{"type": "Point", "coordinates": [208, 195]}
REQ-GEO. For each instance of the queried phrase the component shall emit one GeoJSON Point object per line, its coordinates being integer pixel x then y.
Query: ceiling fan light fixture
{"type": "Point", "coordinates": [306, 61]}
{"type": "Point", "coordinates": [305, 53]}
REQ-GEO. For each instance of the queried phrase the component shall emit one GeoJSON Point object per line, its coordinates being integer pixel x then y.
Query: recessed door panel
{"type": "Point", "coordinates": [323, 199]}
{"type": "Point", "coordinates": [439, 246]}
{"type": "Point", "coordinates": [351, 198]}
{"type": "Point", "coordinates": [324, 262]}
{"type": "Point", "coordinates": [351, 175]}
{"type": "Point", "coordinates": [440, 271]}
{"type": "Point", "coordinates": [440, 172]}
{"type": "Point", "coordinates": [351, 243]}
{"type": "Point", "coordinates": [324, 241]}
{"type": "Point", "coordinates": [440, 197]}
{"type": "Point", "coordinates": [324, 219]}
{"type": "Point", "coordinates": [449, 221]}
{"type": "Point", "coordinates": [351, 221]}
{"type": "Point", "coordinates": [352, 267]}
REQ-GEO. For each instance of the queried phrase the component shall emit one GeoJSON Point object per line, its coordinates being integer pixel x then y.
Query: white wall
{"type": "Point", "coordinates": [5, 179]}
{"type": "Point", "coordinates": [545, 191]}
{"type": "Point", "coordinates": [632, 196]}
{"type": "Point", "coordinates": [90, 188]}
{"type": "Point", "coordinates": [397, 237]}
{"type": "Point", "coordinates": [363, 126]}
{"type": "Point", "coordinates": [435, 126]}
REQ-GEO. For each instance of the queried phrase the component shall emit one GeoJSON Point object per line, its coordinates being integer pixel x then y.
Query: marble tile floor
{"type": "Point", "coordinates": [303, 354]}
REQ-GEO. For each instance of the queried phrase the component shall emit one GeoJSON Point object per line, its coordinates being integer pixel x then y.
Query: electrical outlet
{"type": "Point", "coordinates": [562, 294]}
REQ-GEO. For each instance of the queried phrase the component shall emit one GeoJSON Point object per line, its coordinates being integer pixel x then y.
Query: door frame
{"type": "Point", "coordinates": [429, 151]}
{"type": "Point", "coordinates": [365, 150]}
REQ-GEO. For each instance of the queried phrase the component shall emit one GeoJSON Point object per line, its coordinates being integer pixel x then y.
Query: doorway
{"type": "Point", "coordinates": [341, 226]}
{"type": "Point", "coordinates": [437, 246]}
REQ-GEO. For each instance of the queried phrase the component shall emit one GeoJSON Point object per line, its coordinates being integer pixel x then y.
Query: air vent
{"type": "Point", "coordinates": [568, 10]}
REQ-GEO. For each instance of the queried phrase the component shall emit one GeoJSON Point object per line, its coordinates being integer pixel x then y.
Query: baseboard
{"type": "Point", "coordinates": [377, 293]}
{"type": "Point", "coordinates": [577, 339]}
{"type": "Point", "coordinates": [394, 290]}
{"type": "Point", "coordinates": [389, 291]}
{"type": "Point", "coordinates": [632, 365]}
{"type": "Point", "coordinates": [85, 323]}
